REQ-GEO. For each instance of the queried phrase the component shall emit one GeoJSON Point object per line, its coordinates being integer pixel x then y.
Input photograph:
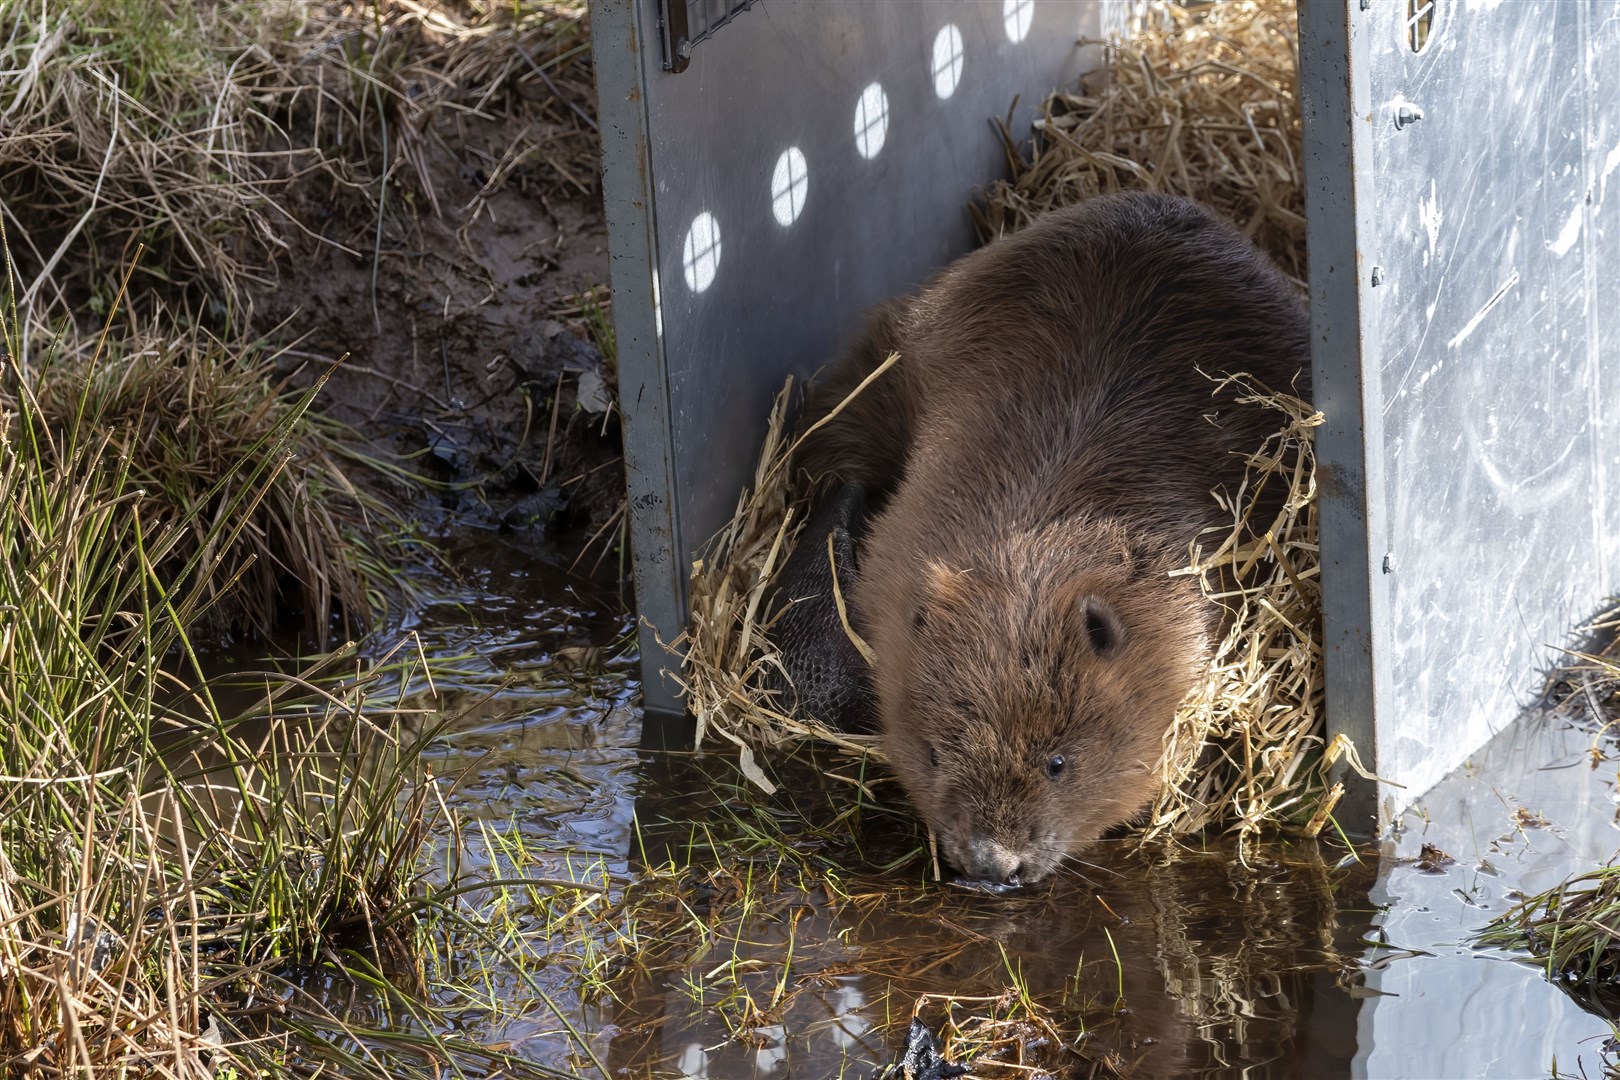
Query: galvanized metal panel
{"type": "Point", "coordinates": [1477, 500]}
{"type": "Point", "coordinates": [749, 281]}
{"type": "Point", "coordinates": [1334, 100]}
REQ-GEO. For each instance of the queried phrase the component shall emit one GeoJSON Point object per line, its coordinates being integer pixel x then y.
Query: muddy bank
{"type": "Point", "coordinates": [465, 274]}
{"type": "Point", "coordinates": [413, 187]}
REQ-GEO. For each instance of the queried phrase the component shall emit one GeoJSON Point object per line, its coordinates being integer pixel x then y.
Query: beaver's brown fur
{"type": "Point", "coordinates": [1040, 458]}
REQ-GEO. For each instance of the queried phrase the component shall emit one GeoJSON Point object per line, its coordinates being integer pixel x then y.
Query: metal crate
{"type": "Point", "coordinates": [798, 160]}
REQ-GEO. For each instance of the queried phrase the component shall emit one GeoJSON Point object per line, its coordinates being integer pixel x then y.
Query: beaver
{"type": "Point", "coordinates": [1032, 469]}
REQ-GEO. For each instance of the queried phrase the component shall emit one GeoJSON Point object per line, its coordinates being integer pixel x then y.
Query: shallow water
{"type": "Point", "coordinates": [792, 936]}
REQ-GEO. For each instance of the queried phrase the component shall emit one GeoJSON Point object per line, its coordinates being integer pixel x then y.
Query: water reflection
{"type": "Point", "coordinates": [792, 936]}
{"type": "Point", "coordinates": [1178, 962]}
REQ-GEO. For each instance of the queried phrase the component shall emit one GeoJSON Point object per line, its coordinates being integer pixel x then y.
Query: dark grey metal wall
{"type": "Point", "coordinates": [813, 158]}
{"type": "Point", "coordinates": [1464, 169]}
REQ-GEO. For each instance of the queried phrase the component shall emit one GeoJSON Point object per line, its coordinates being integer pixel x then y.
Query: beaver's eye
{"type": "Point", "coordinates": [933, 756]}
{"type": "Point", "coordinates": [1055, 767]}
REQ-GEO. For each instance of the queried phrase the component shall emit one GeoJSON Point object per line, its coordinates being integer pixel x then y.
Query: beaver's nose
{"type": "Point", "coordinates": [988, 860]}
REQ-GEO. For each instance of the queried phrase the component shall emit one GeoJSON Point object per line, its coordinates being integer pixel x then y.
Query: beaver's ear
{"type": "Point", "coordinates": [1100, 624]}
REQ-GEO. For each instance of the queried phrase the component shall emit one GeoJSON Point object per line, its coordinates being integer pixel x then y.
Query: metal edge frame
{"type": "Point", "coordinates": [618, 55]}
{"type": "Point", "coordinates": [1336, 113]}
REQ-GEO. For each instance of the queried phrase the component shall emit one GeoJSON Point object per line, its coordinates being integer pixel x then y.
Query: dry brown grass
{"type": "Point", "coordinates": [1200, 101]}
{"type": "Point", "coordinates": [179, 125]}
{"type": "Point", "coordinates": [1247, 749]}
{"type": "Point", "coordinates": [726, 652]}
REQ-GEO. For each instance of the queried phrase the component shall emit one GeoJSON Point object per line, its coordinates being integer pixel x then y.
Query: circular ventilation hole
{"type": "Point", "coordinates": [790, 184]}
{"type": "Point", "coordinates": [1419, 23]}
{"type": "Point", "coordinates": [1016, 15]}
{"type": "Point", "coordinates": [700, 255]}
{"type": "Point", "coordinates": [947, 64]}
{"type": "Point", "coordinates": [871, 121]}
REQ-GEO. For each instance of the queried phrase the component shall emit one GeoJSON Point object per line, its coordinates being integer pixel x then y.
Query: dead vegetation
{"type": "Point", "coordinates": [1199, 100]}
{"type": "Point", "coordinates": [182, 126]}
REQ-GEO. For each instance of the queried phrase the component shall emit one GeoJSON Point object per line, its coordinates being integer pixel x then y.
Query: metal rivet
{"type": "Point", "coordinates": [1377, 276]}
{"type": "Point", "coordinates": [1407, 114]}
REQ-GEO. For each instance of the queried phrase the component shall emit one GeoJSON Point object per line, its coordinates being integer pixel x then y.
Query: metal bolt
{"type": "Point", "coordinates": [1377, 276]}
{"type": "Point", "coordinates": [1407, 114]}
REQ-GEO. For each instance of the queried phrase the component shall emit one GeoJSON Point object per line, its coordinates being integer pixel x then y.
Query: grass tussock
{"type": "Point", "coordinates": [181, 410]}
{"type": "Point", "coordinates": [170, 869]}
{"type": "Point", "coordinates": [1572, 927]}
{"type": "Point", "coordinates": [130, 124]}
{"type": "Point", "coordinates": [152, 849]}
{"type": "Point", "coordinates": [1575, 925]}
{"type": "Point", "coordinates": [1199, 100]}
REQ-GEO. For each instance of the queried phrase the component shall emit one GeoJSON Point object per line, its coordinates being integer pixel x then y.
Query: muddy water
{"type": "Point", "coordinates": [793, 935]}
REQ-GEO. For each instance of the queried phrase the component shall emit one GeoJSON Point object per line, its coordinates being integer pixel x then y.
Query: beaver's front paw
{"type": "Point", "coordinates": [827, 676]}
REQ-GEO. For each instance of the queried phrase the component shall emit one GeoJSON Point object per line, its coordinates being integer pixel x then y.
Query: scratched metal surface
{"type": "Point", "coordinates": [797, 262]}
{"type": "Point", "coordinates": [1486, 253]}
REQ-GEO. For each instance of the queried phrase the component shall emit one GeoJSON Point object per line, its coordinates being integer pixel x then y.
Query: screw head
{"type": "Point", "coordinates": [1407, 115]}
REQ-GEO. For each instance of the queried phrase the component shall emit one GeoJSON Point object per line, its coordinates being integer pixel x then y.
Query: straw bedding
{"type": "Point", "coordinates": [1200, 101]}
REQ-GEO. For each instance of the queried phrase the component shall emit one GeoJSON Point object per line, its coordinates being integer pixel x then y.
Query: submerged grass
{"type": "Point", "coordinates": [1574, 927]}
{"type": "Point", "coordinates": [805, 923]}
